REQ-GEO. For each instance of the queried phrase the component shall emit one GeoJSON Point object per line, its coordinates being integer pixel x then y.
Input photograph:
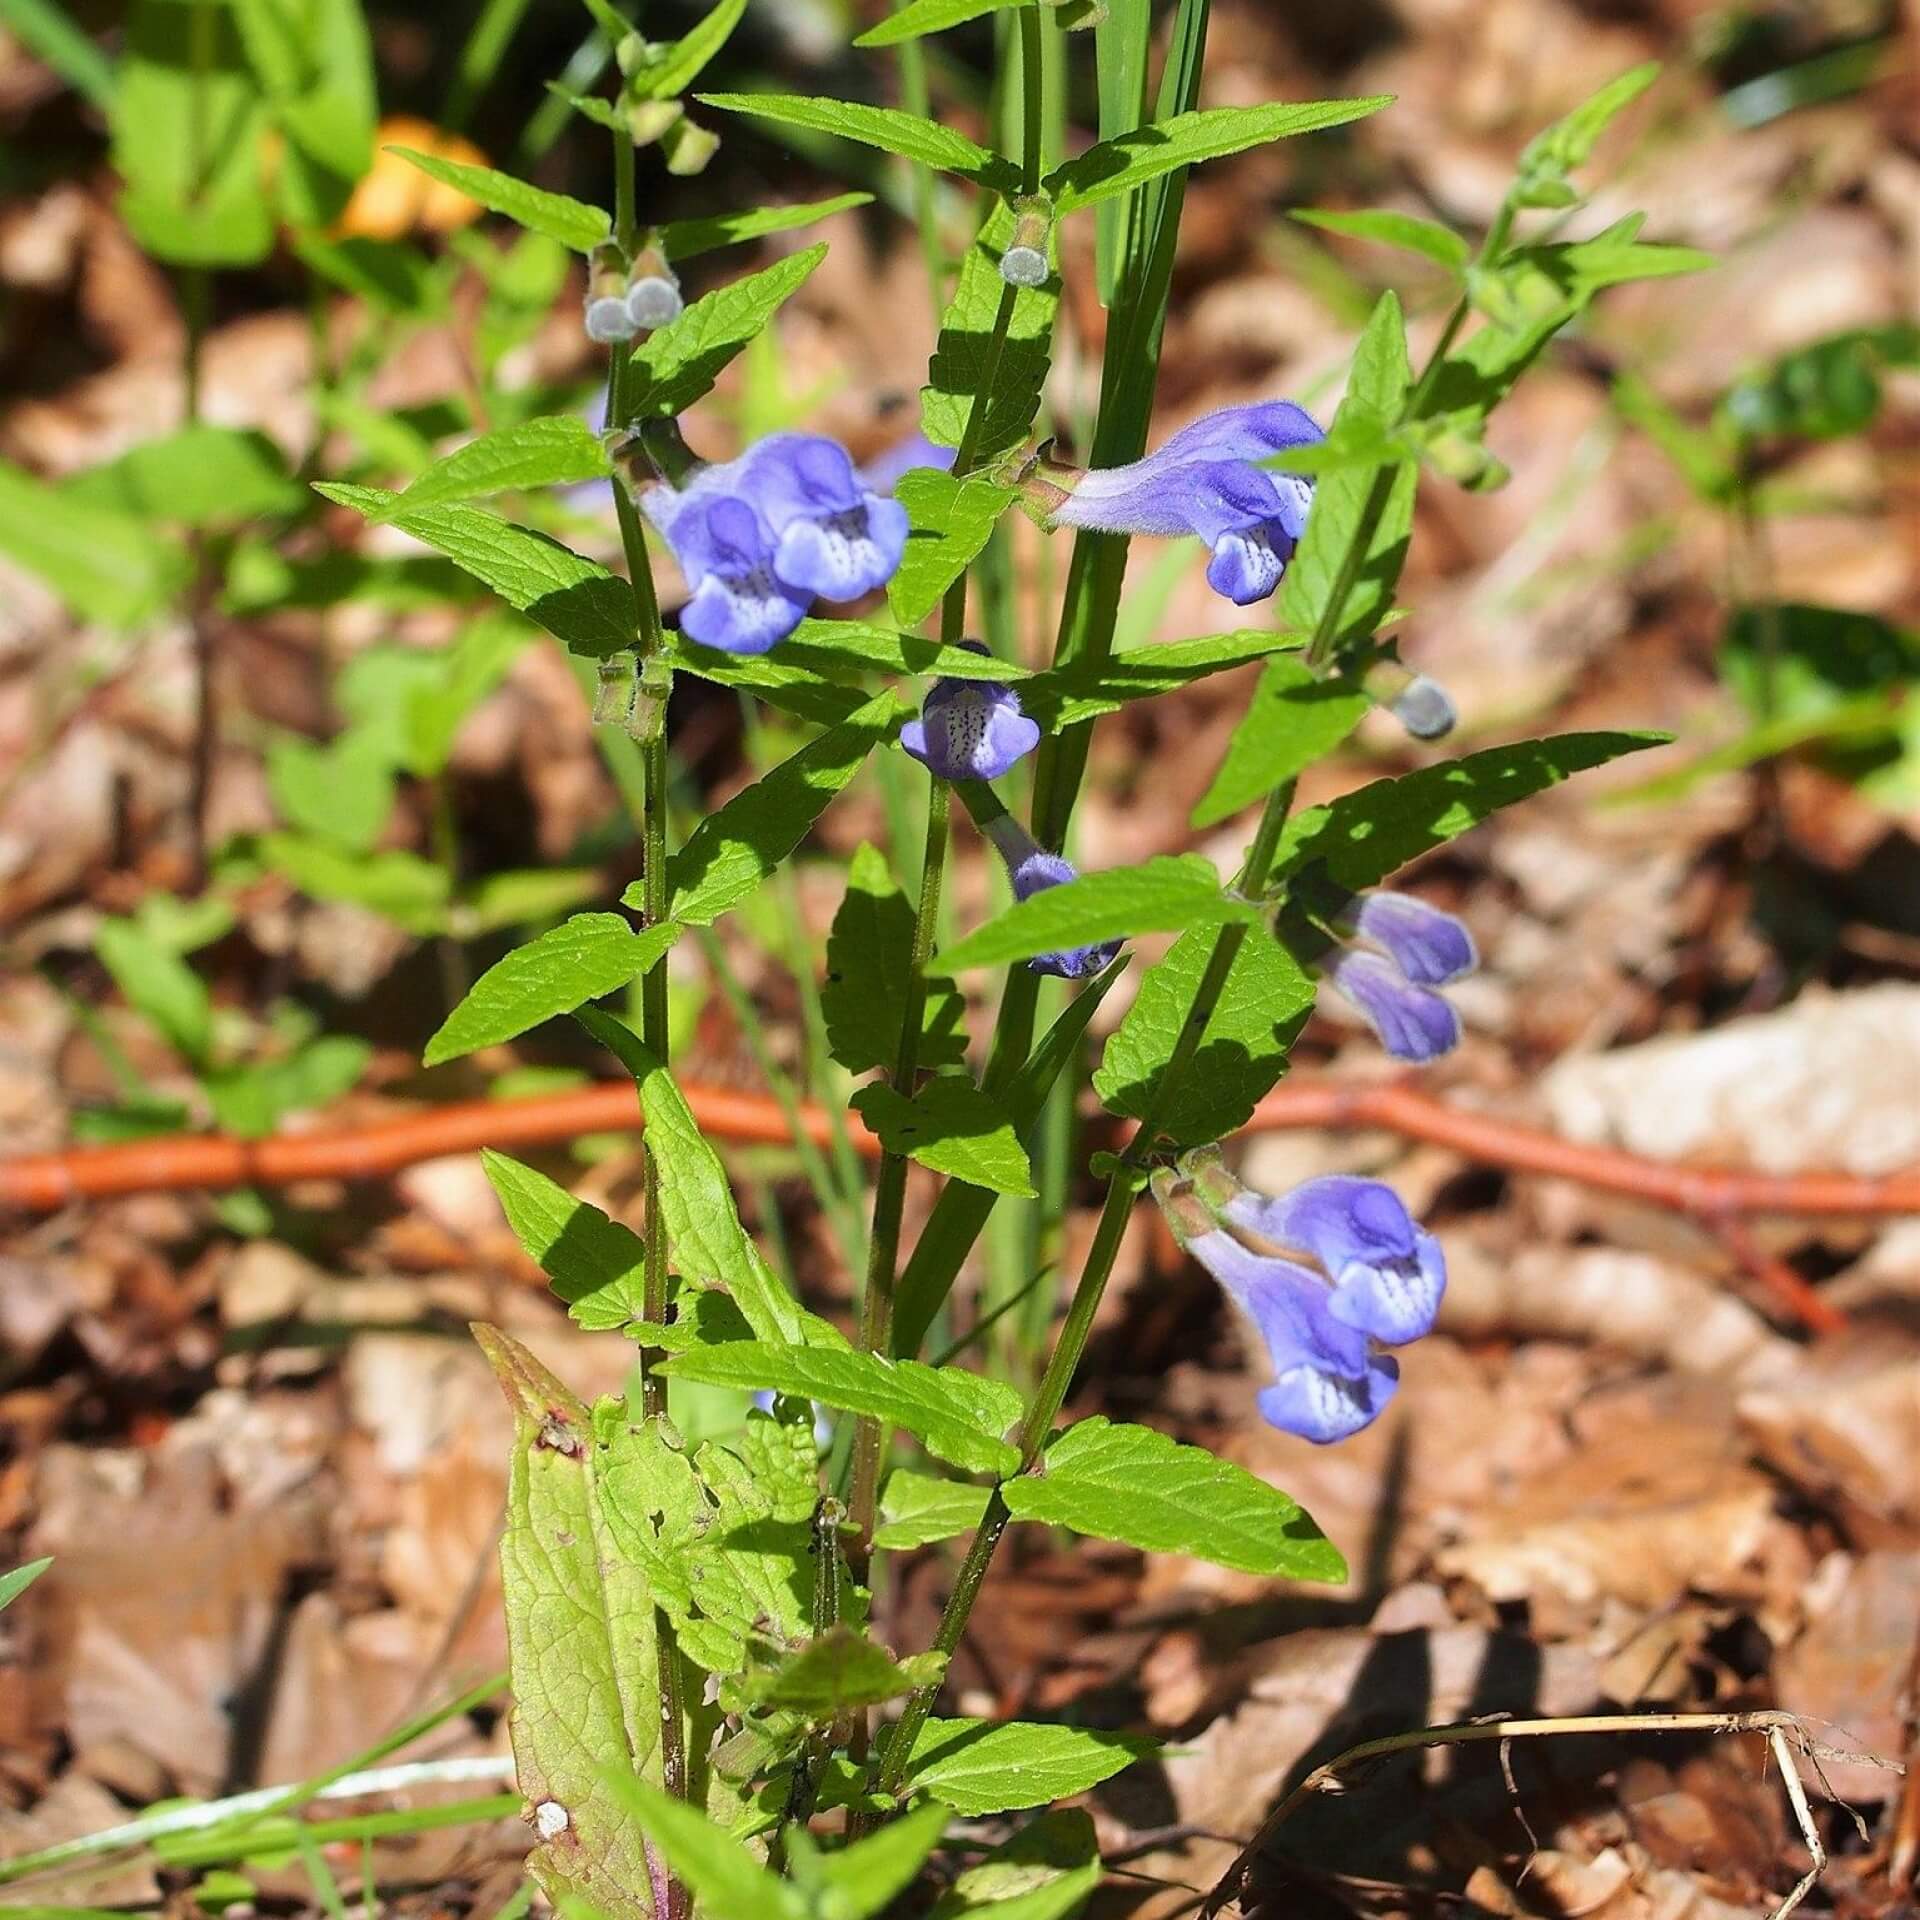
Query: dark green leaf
{"type": "Point", "coordinates": [903, 133]}
{"type": "Point", "coordinates": [559, 450]}
{"type": "Point", "coordinates": [953, 1127]}
{"type": "Point", "coordinates": [1294, 719]}
{"type": "Point", "coordinates": [1045, 1872]}
{"type": "Point", "coordinates": [951, 520]}
{"type": "Point", "coordinates": [597, 1266]}
{"type": "Point", "coordinates": [1083, 690]}
{"type": "Point", "coordinates": [981, 1767]}
{"type": "Point", "coordinates": [571, 222]}
{"type": "Point", "coordinates": [920, 17]}
{"type": "Point", "coordinates": [683, 239]}
{"type": "Point", "coordinates": [869, 953]}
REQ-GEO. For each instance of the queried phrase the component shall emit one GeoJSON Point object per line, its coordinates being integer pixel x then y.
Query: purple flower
{"type": "Point", "coordinates": [761, 537]}
{"type": "Point", "coordinates": [970, 729]}
{"type": "Point", "coordinates": [1357, 1273]}
{"type": "Point", "coordinates": [1032, 870]}
{"type": "Point", "coordinates": [1203, 481]}
{"type": "Point", "coordinates": [1411, 949]}
{"type": "Point", "coordinates": [882, 473]}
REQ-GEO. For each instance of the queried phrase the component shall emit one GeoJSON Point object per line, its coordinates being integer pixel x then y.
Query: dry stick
{"type": "Point", "coordinates": [1774, 1724]}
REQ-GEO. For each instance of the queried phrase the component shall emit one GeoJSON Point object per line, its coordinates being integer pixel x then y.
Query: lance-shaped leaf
{"type": "Point", "coordinates": [906, 134]}
{"type": "Point", "coordinates": [106, 564]}
{"type": "Point", "coordinates": [1130, 160]}
{"type": "Point", "coordinates": [679, 64]}
{"type": "Point", "coordinates": [919, 17]}
{"type": "Point", "coordinates": [1084, 689]}
{"type": "Point", "coordinates": [14, 1584]}
{"type": "Point", "coordinates": [1167, 894]}
{"type": "Point", "coordinates": [867, 1877]}
{"type": "Point", "coordinates": [726, 1880]}
{"type": "Point", "coordinates": [916, 1509]}
{"type": "Point", "coordinates": [840, 1671]}
{"type": "Point", "coordinates": [577, 600]}
{"type": "Point", "coordinates": [1045, 1872]}
{"type": "Point", "coordinates": [683, 239]}
{"type": "Point", "coordinates": [1132, 1484]}
{"type": "Point", "coordinates": [679, 363]}
{"type": "Point", "coordinates": [571, 222]}
{"type": "Point", "coordinates": [954, 1128]}
{"type": "Point", "coordinates": [869, 954]}
{"type": "Point", "coordinates": [959, 1415]}
{"type": "Point", "coordinates": [559, 450]}
{"type": "Point", "coordinates": [979, 1767]}
{"type": "Point", "coordinates": [951, 520]}
{"type": "Point", "coordinates": [597, 1266]}
{"type": "Point", "coordinates": [1294, 719]}
{"type": "Point", "coordinates": [580, 1640]}
{"type": "Point", "coordinates": [853, 648]}
{"type": "Point", "coordinates": [584, 957]}
{"type": "Point", "coordinates": [1441, 245]}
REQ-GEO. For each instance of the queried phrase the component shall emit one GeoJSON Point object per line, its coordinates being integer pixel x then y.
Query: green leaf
{"type": "Point", "coordinates": [683, 239]}
{"type": "Point", "coordinates": [905, 134]}
{"type": "Point", "coordinates": [1823, 391]}
{"type": "Point", "coordinates": [315, 65]}
{"type": "Point", "coordinates": [953, 1127]}
{"type": "Point", "coordinates": [839, 1671]}
{"type": "Point", "coordinates": [1439, 244]}
{"type": "Point", "coordinates": [254, 1099]}
{"type": "Point", "coordinates": [726, 1880]}
{"type": "Point", "coordinates": [597, 1266]}
{"type": "Point", "coordinates": [556, 451]}
{"type": "Point", "coordinates": [1569, 142]}
{"type": "Point", "coordinates": [1084, 689]}
{"type": "Point", "coordinates": [1045, 1872]}
{"type": "Point", "coordinates": [1362, 837]}
{"type": "Point", "coordinates": [867, 1877]}
{"type": "Point", "coordinates": [106, 565]}
{"type": "Point", "coordinates": [967, 371]}
{"type": "Point", "coordinates": [1705, 460]}
{"type": "Point", "coordinates": [571, 222]}
{"type": "Point", "coordinates": [580, 1639]}
{"type": "Point", "coordinates": [577, 600]}
{"type": "Point", "coordinates": [1166, 895]}
{"type": "Point", "coordinates": [401, 886]}
{"type": "Point", "coordinates": [920, 17]}
{"type": "Point", "coordinates": [1376, 394]}
{"type": "Point", "coordinates": [341, 790]}
{"type": "Point", "coordinates": [160, 986]}
{"type": "Point", "coordinates": [950, 521]}
{"type": "Point", "coordinates": [680, 63]}
{"type": "Point", "coordinates": [779, 681]}
{"type": "Point", "coordinates": [14, 1584]}
{"type": "Point", "coordinates": [958, 1415]}
{"type": "Point", "coordinates": [1134, 1485]}
{"type": "Point", "coordinates": [678, 364]}
{"type": "Point", "coordinates": [1241, 1055]}
{"type": "Point", "coordinates": [1120, 165]}
{"type": "Point", "coordinates": [47, 32]}
{"type": "Point", "coordinates": [869, 955]}
{"type": "Point", "coordinates": [728, 855]}
{"type": "Point", "coordinates": [1823, 660]}
{"type": "Point", "coordinates": [978, 1767]}
{"type": "Point", "coordinates": [583, 958]}
{"type": "Point", "coordinates": [1294, 719]}
{"type": "Point", "coordinates": [199, 476]}
{"type": "Point", "coordinates": [917, 1509]}
{"type": "Point", "coordinates": [853, 648]}
{"type": "Point", "coordinates": [706, 1242]}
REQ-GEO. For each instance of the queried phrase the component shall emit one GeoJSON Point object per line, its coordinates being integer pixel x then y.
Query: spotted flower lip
{"type": "Point", "coordinates": [761, 537]}
{"type": "Point", "coordinates": [1032, 869]}
{"type": "Point", "coordinates": [1205, 481]}
{"type": "Point", "coordinates": [1405, 949]}
{"type": "Point", "coordinates": [970, 729]}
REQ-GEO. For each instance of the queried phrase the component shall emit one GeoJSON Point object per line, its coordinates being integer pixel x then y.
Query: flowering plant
{"type": "Point", "coordinates": [697, 1662]}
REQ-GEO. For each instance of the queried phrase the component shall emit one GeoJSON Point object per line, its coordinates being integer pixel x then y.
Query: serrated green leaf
{"type": "Point", "coordinates": [1167, 894]}
{"type": "Point", "coordinates": [678, 363]}
{"type": "Point", "coordinates": [1045, 1872]}
{"type": "Point", "coordinates": [917, 1509]}
{"type": "Point", "coordinates": [683, 239]}
{"type": "Point", "coordinates": [597, 1266]}
{"type": "Point", "coordinates": [853, 648]}
{"type": "Point", "coordinates": [1441, 245]}
{"type": "Point", "coordinates": [584, 957]}
{"type": "Point", "coordinates": [732, 851]}
{"type": "Point", "coordinates": [679, 64]}
{"type": "Point", "coordinates": [953, 1127]}
{"type": "Point", "coordinates": [1241, 1055]}
{"type": "Point", "coordinates": [958, 1415]}
{"type": "Point", "coordinates": [782, 683]}
{"type": "Point", "coordinates": [199, 476]}
{"type": "Point", "coordinates": [161, 985]}
{"type": "Point", "coordinates": [884, 127]}
{"type": "Point", "coordinates": [839, 1671]}
{"type": "Point", "coordinates": [577, 600]}
{"type": "Point", "coordinates": [869, 955]}
{"type": "Point", "coordinates": [920, 17]}
{"type": "Point", "coordinates": [580, 1640]}
{"type": "Point", "coordinates": [978, 1767]}
{"type": "Point", "coordinates": [1132, 1484]}
{"type": "Point", "coordinates": [1376, 394]}
{"type": "Point", "coordinates": [1293, 719]}
{"type": "Point", "coordinates": [969, 371]}
{"type": "Point", "coordinates": [559, 450]}
{"type": "Point", "coordinates": [724, 1877]}
{"type": "Point", "coordinates": [950, 521]}
{"type": "Point", "coordinates": [14, 1584]}
{"type": "Point", "coordinates": [706, 1243]}
{"type": "Point", "coordinates": [106, 565]}
{"type": "Point", "coordinates": [571, 222]}
{"type": "Point", "coordinates": [1085, 689]}
{"type": "Point", "coordinates": [406, 889]}
{"type": "Point", "coordinates": [1130, 160]}
{"type": "Point", "coordinates": [867, 1877]}
{"type": "Point", "coordinates": [1364, 836]}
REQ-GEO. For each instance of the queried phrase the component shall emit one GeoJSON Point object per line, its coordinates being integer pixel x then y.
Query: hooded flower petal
{"type": "Point", "coordinates": [1413, 1023]}
{"type": "Point", "coordinates": [832, 536]}
{"type": "Point", "coordinates": [970, 729]}
{"type": "Point", "coordinates": [725, 549]}
{"type": "Point", "coordinates": [1388, 1272]}
{"type": "Point", "coordinates": [1032, 869]}
{"type": "Point", "coordinates": [1428, 945]}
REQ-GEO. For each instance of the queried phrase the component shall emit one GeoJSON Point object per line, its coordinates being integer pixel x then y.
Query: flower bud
{"type": "Point", "coordinates": [648, 120]}
{"type": "Point", "coordinates": [653, 290]}
{"type": "Point", "coordinates": [1421, 705]}
{"type": "Point", "coordinates": [688, 147]}
{"type": "Point", "coordinates": [607, 319]}
{"type": "Point", "coordinates": [1024, 261]}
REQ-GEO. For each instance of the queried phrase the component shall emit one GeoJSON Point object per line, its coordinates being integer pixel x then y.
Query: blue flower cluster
{"type": "Point", "coordinates": [1352, 1273]}
{"type": "Point", "coordinates": [1401, 950]}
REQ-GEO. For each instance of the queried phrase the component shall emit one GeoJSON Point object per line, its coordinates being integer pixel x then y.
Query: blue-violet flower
{"type": "Point", "coordinates": [970, 729]}
{"type": "Point", "coordinates": [761, 537]}
{"type": "Point", "coordinates": [1204, 481]}
{"type": "Point", "coordinates": [1411, 949]}
{"type": "Point", "coordinates": [1032, 869]}
{"type": "Point", "coordinates": [882, 473]}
